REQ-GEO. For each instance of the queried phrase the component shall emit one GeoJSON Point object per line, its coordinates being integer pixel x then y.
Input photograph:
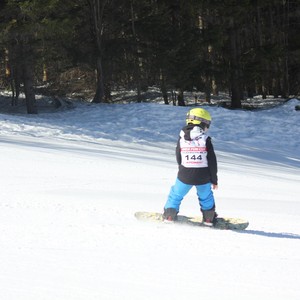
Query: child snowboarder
{"type": "Point", "coordinates": [197, 167]}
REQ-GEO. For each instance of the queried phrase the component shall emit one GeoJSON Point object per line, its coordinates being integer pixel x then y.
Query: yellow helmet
{"type": "Point", "coordinates": [198, 116]}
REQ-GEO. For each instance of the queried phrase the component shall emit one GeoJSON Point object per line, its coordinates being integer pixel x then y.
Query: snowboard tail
{"type": "Point", "coordinates": [221, 223]}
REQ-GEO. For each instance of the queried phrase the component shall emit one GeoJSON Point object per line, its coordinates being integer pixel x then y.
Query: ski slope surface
{"type": "Point", "coordinates": [72, 180]}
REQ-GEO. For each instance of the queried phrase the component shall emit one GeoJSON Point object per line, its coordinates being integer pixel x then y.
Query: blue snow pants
{"type": "Point", "coordinates": [180, 189]}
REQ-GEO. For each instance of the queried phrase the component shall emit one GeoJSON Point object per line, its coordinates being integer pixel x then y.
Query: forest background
{"type": "Point", "coordinates": [90, 48]}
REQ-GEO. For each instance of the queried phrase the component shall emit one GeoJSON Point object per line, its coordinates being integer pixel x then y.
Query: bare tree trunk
{"type": "Point", "coordinates": [260, 43]}
{"type": "Point", "coordinates": [137, 72]}
{"type": "Point", "coordinates": [98, 98]}
{"type": "Point", "coordinates": [165, 95]}
{"type": "Point", "coordinates": [9, 76]}
{"type": "Point", "coordinates": [97, 11]}
{"type": "Point", "coordinates": [14, 99]}
{"type": "Point", "coordinates": [15, 82]}
{"type": "Point", "coordinates": [181, 98]}
{"type": "Point", "coordinates": [45, 73]}
{"type": "Point", "coordinates": [29, 88]}
{"type": "Point", "coordinates": [173, 94]}
{"type": "Point", "coordinates": [234, 69]}
{"type": "Point", "coordinates": [286, 88]}
{"type": "Point", "coordinates": [207, 88]}
{"type": "Point", "coordinates": [163, 88]}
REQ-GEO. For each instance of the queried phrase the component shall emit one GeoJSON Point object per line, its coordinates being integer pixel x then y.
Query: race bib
{"type": "Point", "coordinates": [193, 154]}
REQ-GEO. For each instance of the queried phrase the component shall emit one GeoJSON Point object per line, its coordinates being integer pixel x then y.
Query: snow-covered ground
{"type": "Point", "coordinates": [71, 182]}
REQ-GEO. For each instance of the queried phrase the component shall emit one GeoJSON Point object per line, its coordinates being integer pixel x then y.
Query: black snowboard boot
{"type": "Point", "coordinates": [170, 214]}
{"type": "Point", "coordinates": [209, 217]}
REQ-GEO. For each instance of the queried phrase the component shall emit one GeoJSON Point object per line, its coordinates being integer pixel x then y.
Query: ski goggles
{"type": "Point", "coordinates": [206, 122]}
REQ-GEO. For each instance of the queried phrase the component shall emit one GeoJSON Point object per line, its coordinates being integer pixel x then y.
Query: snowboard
{"type": "Point", "coordinates": [221, 223]}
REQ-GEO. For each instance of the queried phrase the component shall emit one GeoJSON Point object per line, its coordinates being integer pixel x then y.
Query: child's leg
{"type": "Point", "coordinates": [207, 203]}
{"type": "Point", "coordinates": [205, 196]}
{"type": "Point", "coordinates": [177, 192]}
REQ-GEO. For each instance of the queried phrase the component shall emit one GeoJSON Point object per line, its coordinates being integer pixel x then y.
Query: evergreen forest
{"type": "Point", "coordinates": [55, 47]}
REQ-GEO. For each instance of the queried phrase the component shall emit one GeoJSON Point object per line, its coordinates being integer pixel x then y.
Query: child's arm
{"type": "Point", "coordinates": [178, 153]}
{"type": "Point", "coordinates": [212, 163]}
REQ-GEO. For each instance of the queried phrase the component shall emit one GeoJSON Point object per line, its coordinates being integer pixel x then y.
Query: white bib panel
{"type": "Point", "coordinates": [194, 153]}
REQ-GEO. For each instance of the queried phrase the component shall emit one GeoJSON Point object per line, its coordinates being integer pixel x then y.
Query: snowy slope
{"type": "Point", "coordinates": [71, 182]}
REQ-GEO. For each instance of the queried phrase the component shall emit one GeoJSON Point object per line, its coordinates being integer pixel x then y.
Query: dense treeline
{"type": "Point", "coordinates": [243, 47]}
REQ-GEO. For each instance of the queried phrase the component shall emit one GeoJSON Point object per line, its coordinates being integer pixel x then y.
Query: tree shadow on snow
{"type": "Point", "coordinates": [279, 235]}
